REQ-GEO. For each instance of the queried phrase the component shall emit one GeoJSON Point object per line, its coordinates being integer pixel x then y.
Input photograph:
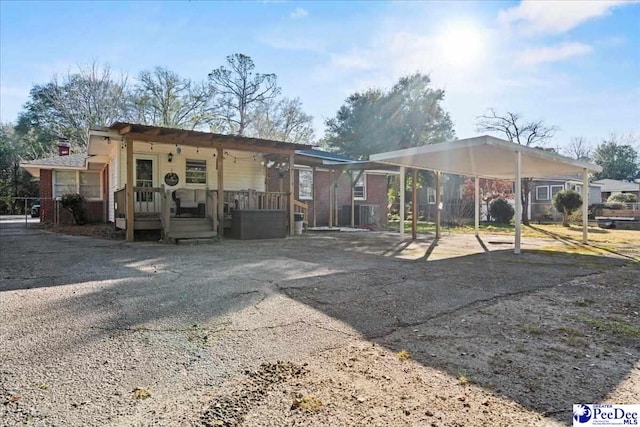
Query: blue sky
{"type": "Point", "coordinates": [575, 65]}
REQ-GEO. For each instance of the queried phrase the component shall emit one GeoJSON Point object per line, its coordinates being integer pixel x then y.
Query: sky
{"type": "Point", "coordinates": [575, 65]}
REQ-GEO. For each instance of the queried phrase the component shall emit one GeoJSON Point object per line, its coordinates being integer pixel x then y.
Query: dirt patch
{"type": "Point", "coordinates": [100, 231]}
{"type": "Point", "coordinates": [311, 331]}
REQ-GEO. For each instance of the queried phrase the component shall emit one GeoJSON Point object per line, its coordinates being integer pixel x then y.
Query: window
{"type": "Point", "coordinates": [90, 185]}
{"type": "Point", "coordinates": [66, 182]}
{"type": "Point", "coordinates": [555, 189]}
{"type": "Point", "coordinates": [542, 192]}
{"type": "Point", "coordinates": [431, 195]}
{"type": "Point", "coordinates": [360, 188]}
{"type": "Point", "coordinates": [87, 184]}
{"type": "Point", "coordinates": [305, 185]}
{"type": "Point", "coordinates": [196, 172]}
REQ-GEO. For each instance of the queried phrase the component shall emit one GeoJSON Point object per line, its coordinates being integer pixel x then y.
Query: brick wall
{"type": "Point", "coordinates": [95, 209]}
{"type": "Point", "coordinates": [46, 196]}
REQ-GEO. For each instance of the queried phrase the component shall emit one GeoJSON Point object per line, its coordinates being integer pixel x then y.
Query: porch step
{"type": "Point", "coordinates": [178, 225]}
{"type": "Point", "coordinates": [208, 234]}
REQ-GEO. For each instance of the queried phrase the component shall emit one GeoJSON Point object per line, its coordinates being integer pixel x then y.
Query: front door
{"type": "Point", "coordinates": [145, 176]}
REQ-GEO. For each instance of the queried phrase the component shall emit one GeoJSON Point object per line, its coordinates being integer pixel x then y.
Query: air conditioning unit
{"type": "Point", "coordinates": [363, 215]}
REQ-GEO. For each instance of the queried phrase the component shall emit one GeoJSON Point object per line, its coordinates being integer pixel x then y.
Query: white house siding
{"type": "Point", "coordinates": [114, 173]}
{"type": "Point", "coordinates": [243, 170]}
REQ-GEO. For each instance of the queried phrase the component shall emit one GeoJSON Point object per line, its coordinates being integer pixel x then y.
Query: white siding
{"type": "Point", "coordinates": [243, 170]}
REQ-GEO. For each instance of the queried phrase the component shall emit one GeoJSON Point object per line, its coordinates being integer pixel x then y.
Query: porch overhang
{"type": "Point", "coordinates": [195, 138]}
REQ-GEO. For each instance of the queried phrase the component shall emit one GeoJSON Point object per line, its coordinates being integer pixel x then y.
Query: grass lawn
{"type": "Point", "coordinates": [573, 233]}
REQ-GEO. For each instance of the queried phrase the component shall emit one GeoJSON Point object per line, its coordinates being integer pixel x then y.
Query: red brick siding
{"type": "Point", "coordinates": [46, 196]}
{"type": "Point", "coordinates": [95, 209]}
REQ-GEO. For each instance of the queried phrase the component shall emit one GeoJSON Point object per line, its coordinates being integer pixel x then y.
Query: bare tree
{"type": "Point", "coordinates": [282, 121]}
{"type": "Point", "coordinates": [239, 90]}
{"type": "Point", "coordinates": [513, 128]}
{"type": "Point", "coordinates": [579, 148]}
{"type": "Point", "coordinates": [70, 105]}
{"type": "Point", "coordinates": [162, 98]}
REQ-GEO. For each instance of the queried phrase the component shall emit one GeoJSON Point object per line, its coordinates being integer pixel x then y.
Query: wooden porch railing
{"type": "Point", "coordinates": [148, 200]}
{"type": "Point", "coordinates": [250, 199]}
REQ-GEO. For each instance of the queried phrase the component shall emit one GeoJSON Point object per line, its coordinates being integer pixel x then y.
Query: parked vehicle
{"type": "Point", "coordinates": [35, 210]}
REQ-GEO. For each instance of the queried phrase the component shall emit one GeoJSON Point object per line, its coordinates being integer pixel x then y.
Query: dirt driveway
{"type": "Point", "coordinates": [324, 329]}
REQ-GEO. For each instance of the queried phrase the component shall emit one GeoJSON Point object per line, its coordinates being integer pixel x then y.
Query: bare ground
{"type": "Point", "coordinates": [327, 329]}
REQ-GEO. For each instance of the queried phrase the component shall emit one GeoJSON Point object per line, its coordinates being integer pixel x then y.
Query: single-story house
{"type": "Point", "coordinates": [543, 190]}
{"type": "Point", "coordinates": [192, 184]}
{"type": "Point", "coordinates": [178, 181]}
{"type": "Point", "coordinates": [614, 186]}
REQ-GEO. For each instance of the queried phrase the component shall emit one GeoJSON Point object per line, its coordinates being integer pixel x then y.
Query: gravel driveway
{"type": "Point", "coordinates": [294, 331]}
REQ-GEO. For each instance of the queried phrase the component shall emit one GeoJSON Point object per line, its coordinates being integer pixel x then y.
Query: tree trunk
{"type": "Point", "coordinates": [565, 218]}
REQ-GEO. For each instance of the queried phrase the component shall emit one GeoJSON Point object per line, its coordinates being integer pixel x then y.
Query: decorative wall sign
{"type": "Point", "coordinates": [171, 179]}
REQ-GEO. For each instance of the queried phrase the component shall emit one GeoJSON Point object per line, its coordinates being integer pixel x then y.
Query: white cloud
{"type": "Point", "coordinates": [299, 13]}
{"type": "Point", "coordinates": [539, 55]}
{"type": "Point", "coordinates": [556, 16]}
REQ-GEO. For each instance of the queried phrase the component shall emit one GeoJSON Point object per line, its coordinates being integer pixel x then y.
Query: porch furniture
{"type": "Point", "coordinates": [190, 201]}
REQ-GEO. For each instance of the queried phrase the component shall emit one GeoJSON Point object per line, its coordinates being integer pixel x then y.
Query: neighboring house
{"type": "Point", "coordinates": [131, 172]}
{"type": "Point", "coordinates": [613, 186]}
{"type": "Point", "coordinates": [331, 205]}
{"type": "Point", "coordinates": [543, 190]}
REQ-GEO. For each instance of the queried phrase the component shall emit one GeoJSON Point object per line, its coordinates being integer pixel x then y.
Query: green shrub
{"type": "Point", "coordinates": [623, 198]}
{"type": "Point", "coordinates": [74, 203]}
{"type": "Point", "coordinates": [567, 202]}
{"type": "Point", "coordinates": [501, 211]}
{"type": "Point", "coordinates": [616, 206]}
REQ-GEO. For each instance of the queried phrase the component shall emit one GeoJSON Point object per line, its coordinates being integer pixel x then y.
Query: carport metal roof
{"type": "Point", "coordinates": [489, 157]}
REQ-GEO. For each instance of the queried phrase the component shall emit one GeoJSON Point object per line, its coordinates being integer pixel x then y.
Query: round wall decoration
{"type": "Point", "coordinates": [171, 179]}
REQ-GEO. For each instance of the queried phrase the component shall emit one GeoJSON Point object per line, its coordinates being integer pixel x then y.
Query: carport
{"type": "Point", "coordinates": [487, 157]}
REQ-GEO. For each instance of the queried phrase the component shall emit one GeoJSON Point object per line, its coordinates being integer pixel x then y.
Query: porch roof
{"type": "Point", "coordinates": [315, 157]}
{"type": "Point", "coordinates": [138, 132]}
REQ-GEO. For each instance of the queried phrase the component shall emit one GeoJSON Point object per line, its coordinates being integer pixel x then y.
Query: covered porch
{"type": "Point", "coordinates": [191, 184]}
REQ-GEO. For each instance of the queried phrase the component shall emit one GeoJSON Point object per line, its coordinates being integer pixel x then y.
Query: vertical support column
{"type": "Point", "coordinates": [330, 198]}
{"type": "Point", "coordinates": [292, 193]}
{"type": "Point", "coordinates": [518, 216]}
{"type": "Point", "coordinates": [313, 194]}
{"type": "Point", "coordinates": [585, 205]}
{"type": "Point", "coordinates": [401, 190]}
{"type": "Point", "coordinates": [438, 205]}
{"type": "Point", "coordinates": [414, 205]}
{"type": "Point", "coordinates": [220, 207]}
{"type": "Point", "coordinates": [353, 202]}
{"type": "Point", "coordinates": [129, 193]}
{"type": "Point", "coordinates": [476, 183]}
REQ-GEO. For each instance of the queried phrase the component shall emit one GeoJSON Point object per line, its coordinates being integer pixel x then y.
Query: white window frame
{"type": "Point", "coordinates": [551, 187]}
{"type": "Point", "coordinates": [77, 190]}
{"type": "Point", "coordinates": [301, 195]}
{"type": "Point", "coordinates": [186, 178]}
{"type": "Point", "coordinates": [538, 188]}
{"type": "Point", "coordinates": [363, 180]}
{"type": "Point", "coordinates": [431, 195]}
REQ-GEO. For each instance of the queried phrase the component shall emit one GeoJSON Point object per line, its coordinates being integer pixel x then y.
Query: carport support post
{"type": "Point", "coordinates": [313, 195]}
{"type": "Point", "coordinates": [438, 205]}
{"type": "Point", "coordinates": [129, 193]}
{"type": "Point", "coordinates": [585, 205]}
{"type": "Point", "coordinates": [476, 183]}
{"type": "Point", "coordinates": [401, 190]}
{"type": "Point", "coordinates": [414, 205]}
{"type": "Point", "coordinates": [518, 215]}
{"type": "Point", "coordinates": [330, 198]}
